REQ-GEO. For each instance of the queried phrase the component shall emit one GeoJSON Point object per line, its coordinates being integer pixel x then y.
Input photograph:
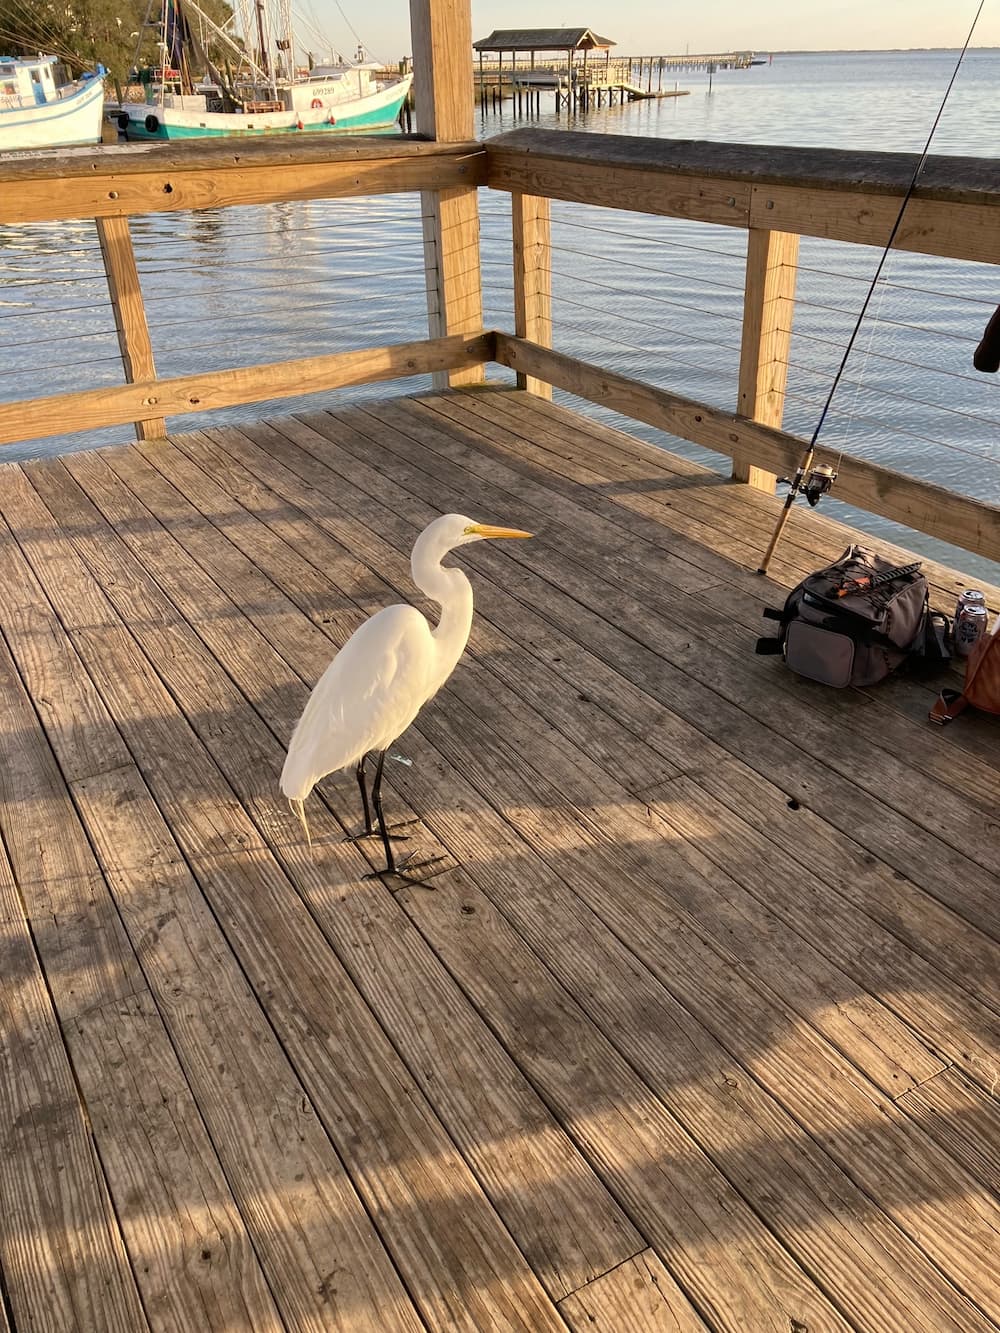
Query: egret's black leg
{"type": "Point", "coordinates": [390, 860]}
{"type": "Point", "coordinates": [369, 828]}
{"type": "Point", "coordinates": [407, 867]}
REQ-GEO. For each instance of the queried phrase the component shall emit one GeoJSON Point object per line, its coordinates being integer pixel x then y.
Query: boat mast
{"type": "Point", "coordinates": [263, 46]}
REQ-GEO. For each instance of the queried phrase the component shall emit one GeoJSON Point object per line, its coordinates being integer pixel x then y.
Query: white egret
{"type": "Point", "coordinates": [384, 674]}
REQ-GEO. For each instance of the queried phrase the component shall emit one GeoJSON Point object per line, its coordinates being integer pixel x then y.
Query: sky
{"type": "Point", "coordinates": [651, 27]}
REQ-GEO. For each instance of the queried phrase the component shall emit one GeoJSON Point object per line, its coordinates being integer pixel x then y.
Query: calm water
{"type": "Point", "coordinates": [656, 298]}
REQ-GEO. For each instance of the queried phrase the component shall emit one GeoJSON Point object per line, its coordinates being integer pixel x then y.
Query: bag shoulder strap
{"type": "Point", "coordinates": [947, 706]}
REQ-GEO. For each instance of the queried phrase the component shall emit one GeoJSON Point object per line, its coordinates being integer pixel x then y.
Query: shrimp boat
{"type": "Point", "coordinates": [40, 107]}
{"type": "Point", "coordinates": [264, 94]}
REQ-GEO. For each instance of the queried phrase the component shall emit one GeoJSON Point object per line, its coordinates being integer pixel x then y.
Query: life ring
{"type": "Point", "coordinates": [123, 120]}
{"type": "Point", "coordinates": [316, 104]}
{"type": "Point", "coordinates": [152, 124]}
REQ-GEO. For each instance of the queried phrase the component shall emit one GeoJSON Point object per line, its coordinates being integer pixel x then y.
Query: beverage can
{"type": "Point", "coordinates": [970, 597]}
{"type": "Point", "coordinates": [970, 626]}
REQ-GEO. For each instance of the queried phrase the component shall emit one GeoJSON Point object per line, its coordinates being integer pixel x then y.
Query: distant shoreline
{"type": "Point", "coordinates": [875, 51]}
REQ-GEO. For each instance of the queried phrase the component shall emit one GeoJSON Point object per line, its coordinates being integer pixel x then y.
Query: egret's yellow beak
{"type": "Point", "coordinates": [487, 530]}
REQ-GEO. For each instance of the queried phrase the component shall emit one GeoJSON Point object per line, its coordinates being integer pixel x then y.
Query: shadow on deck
{"type": "Point", "coordinates": [698, 1027]}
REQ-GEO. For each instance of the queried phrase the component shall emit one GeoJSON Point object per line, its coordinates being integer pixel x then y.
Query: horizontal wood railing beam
{"type": "Point", "coordinates": [838, 195]}
{"type": "Point", "coordinates": [921, 505]}
{"type": "Point", "coordinates": [155, 178]}
{"type": "Point", "coordinates": [95, 408]}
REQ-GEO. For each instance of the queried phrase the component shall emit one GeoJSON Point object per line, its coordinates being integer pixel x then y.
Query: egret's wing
{"type": "Point", "coordinates": [368, 695]}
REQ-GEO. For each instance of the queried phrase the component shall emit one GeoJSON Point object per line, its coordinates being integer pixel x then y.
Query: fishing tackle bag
{"type": "Point", "coordinates": [839, 627]}
{"type": "Point", "coordinates": [982, 682]}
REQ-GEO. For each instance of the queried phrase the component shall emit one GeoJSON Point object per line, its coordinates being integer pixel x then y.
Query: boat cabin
{"type": "Point", "coordinates": [30, 82]}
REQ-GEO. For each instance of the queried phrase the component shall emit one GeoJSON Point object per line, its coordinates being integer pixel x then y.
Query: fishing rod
{"type": "Point", "coordinates": [816, 481]}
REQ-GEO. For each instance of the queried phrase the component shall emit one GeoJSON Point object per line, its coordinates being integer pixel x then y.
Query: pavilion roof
{"type": "Point", "coordinates": [543, 39]}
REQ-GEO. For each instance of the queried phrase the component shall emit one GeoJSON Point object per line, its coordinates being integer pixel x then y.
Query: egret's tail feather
{"type": "Point", "coordinates": [300, 809]}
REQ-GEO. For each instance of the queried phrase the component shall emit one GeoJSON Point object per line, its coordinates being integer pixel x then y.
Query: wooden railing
{"type": "Point", "coordinates": [113, 184]}
{"type": "Point", "coordinates": [775, 194]}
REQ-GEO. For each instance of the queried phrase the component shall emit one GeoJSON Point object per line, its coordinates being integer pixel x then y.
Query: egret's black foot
{"type": "Point", "coordinates": [394, 836]}
{"type": "Point", "coordinates": [410, 871]}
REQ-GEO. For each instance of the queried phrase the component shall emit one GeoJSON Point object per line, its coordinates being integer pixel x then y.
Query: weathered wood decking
{"type": "Point", "coordinates": [697, 1028]}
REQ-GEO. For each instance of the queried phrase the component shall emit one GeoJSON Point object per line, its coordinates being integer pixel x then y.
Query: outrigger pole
{"type": "Point", "coordinates": [817, 481]}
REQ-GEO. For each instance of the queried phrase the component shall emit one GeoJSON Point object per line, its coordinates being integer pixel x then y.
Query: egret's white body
{"type": "Point", "coordinates": [387, 670]}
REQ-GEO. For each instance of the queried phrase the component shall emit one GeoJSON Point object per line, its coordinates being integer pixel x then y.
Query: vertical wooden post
{"type": "Point", "coordinates": [532, 278]}
{"type": "Point", "coordinates": [129, 312]}
{"type": "Point", "coordinates": [768, 306]}
{"type": "Point", "coordinates": [441, 32]}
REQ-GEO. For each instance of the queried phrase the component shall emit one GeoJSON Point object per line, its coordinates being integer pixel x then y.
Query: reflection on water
{"type": "Point", "coordinates": [652, 297]}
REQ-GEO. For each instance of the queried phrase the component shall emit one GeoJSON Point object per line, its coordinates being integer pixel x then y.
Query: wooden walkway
{"type": "Point", "coordinates": [699, 1026]}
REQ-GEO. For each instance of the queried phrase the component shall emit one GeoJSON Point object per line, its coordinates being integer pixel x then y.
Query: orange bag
{"type": "Point", "coordinates": [982, 683]}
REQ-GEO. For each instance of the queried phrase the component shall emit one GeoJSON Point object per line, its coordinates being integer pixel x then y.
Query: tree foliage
{"type": "Point", "coordinates": [85, 32]}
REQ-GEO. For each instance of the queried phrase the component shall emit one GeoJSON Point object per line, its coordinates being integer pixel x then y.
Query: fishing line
{"type": "Point", "coordinates": [860, 384]}
{"type": "Point", "coordinates": [821, 479]}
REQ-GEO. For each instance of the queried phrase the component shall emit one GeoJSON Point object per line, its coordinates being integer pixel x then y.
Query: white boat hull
{"type": "Point", "coordinates": [377, 110]}
{"type": "Point", "coordinates": [74, 119]}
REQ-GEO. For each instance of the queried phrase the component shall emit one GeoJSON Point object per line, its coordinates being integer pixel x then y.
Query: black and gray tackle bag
{"type": "Point", "coordinates": [856, 621]}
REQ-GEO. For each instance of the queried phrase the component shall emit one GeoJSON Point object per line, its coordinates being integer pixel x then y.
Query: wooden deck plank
{"type": "Point", "coordinates": [699, 1000]}
{"type": "Point", "coordinates": [465, 730]}
{"type": "Point", "coordinates": [62, 1256]}
{"type": "Point", "coordinates": [852, 1125]}
{"type": "Point", "coordinates": [823, 1218]}
{"type": "Point", "coordinates": [901, 751]}
{"type": "Point", "coordinates": [922, 1174]}
{"type": "Point", "coordinates": [232, 473]}
{"type": "Point", "coordinates": [639, 1295]}
{"type": "Point", "coordinates": [747, 516]}
{"type": "Point", "coordinates": [964, 1118]}
{"type": "Point", "coordinates": [458, 1259]}
{"type": "Point", "coordinates": [782, 971]}
{"type": "Point", "coordinates": [169, 1193]}
{"type": "Point", "coordinates": [698, 1191]}
{"type": "Point", "coordinates": [729, 517]}
{"type": "Point", "coordinates": [920, 920]}
{"type": "Point", "coordinates": [566, 1224]}
{"type": "Point", "coordinates": [709, 689]}
{"type": "Point", "coordinates": [853, 951]}
{"type": "Point", "coordinates": [734, 523]}
{"type": "Point", "coordinates": [303, 1213]}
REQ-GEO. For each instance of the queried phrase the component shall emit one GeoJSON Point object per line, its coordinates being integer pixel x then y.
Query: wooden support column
{"type": "Point", "coordinates": [130, 313]}
{"type": "Point", "coordinates": [441, 32]}
{"type": "Point", "coordinates": [768, 306]}
{"type": "Point", "coordinates": [532, 279]}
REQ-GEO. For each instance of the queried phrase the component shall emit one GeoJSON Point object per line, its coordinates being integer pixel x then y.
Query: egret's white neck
{"type": "Point", "coordinates": [452, 591]}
